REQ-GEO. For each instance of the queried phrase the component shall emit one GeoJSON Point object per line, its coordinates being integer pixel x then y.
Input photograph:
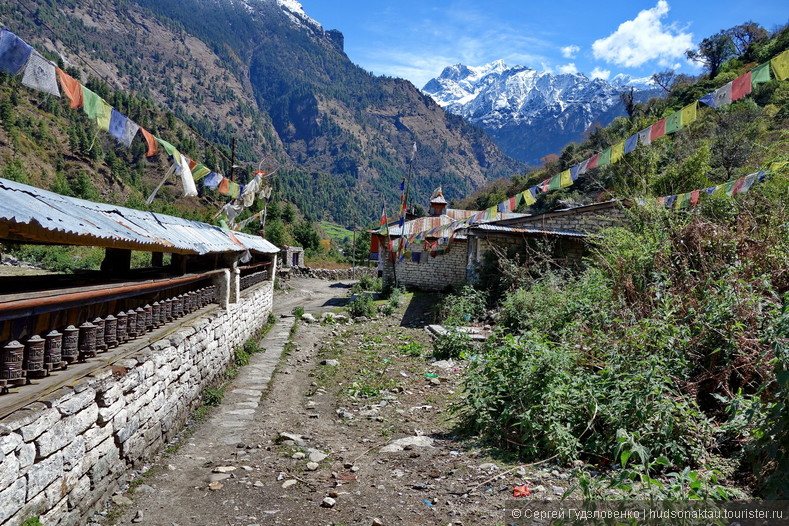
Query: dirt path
{"type": "Point", "coordinates": [353, 429]}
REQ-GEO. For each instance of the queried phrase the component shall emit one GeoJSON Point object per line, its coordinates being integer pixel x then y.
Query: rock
{"type": "Point", "coordinates": [328, 502]}
{"type": "Point", "coordinates": [489, 466]}
{"type": "Point", "coordinates": [120, 500]}
{"type": "Point", "coordinates": [331, 363]}
{"type": "Point", "coordinates": [289, 483]}
{"type": "Point", "coordinates": [298, 455]}
{"type": "Point", "coordinates": [216, 486]}
{"type": "Point", "coordinates": [401, 443]}
{"type": "Point", "coordinates": [292, 437]}
{"type": "Point", "coordinates": [317, 456]}
{"type": "Point", "coordinates": [310, 405]}
{"type": "Point", "coordinates": [218, 477]}
{"type": "Point", "coordinates": [138, 517]}
{"type": "Point", "coordinates": [309, 318]}
{"type": "Point", "coordinates": [557, 490]}
{"type": "Point", "coordinates": [354, 469]}
{"type": "Point", "coordinates": [224, 469]}
{"type": "Point", "coordinates": [145, 489]}
{"type": "Point", "coordinates": [258, 484]}
{"type": "Point", "coordinates": [434, 381]}
{"type": "Point", "coordinates": [538, 489]}
{"type": "Point", "coordinates": [377, 522]}
{"type": "Point", "coordinates": [312, 466]}
{"type": "Point", "coordinates": [361, 319]}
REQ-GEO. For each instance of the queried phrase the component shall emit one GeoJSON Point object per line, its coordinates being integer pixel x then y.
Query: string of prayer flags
{"type": "Point", "coordinates": [40, 75]}
{"type": "Point", "coordinates": [780, 65]}
{"type": "Point", "coordinates": [14, 52]}
{"type": "Point", "coordinates": [122, 128]}
{"type": "Point", "coordinates": [731, 188]}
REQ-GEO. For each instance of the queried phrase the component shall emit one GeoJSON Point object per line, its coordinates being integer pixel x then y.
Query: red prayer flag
{"type": "Point", "coordinates": [694, 197]}
{"type": "Point", "coordinates": [151, 140]}
{"type": "Point", "coordinates": [658, 130]}
{"type": "Point", "coordinates": [71, 87]}
{"type": "Point", "coordinates": [741, 86]}
{"type": "Point", "coordinates": [513, 202]}
{"type": "Point", "coordinates": [593, 161]}
{"type": "Point", "coordinates": [738, 186]}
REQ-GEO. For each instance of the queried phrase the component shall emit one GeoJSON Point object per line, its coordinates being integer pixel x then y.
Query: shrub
{"type": "Point", "coordinates": [212, 397]}
{"type": "Point", "coordinates": [298, 311]}
{"type": "Point", "coordinates": [362, 305]}
{"type": "Point", "coordinates": [367, 283]}
{"type": "Point", "coordinates": [451, 345]}
{"type": "Point", "coordinates": [461, 308]}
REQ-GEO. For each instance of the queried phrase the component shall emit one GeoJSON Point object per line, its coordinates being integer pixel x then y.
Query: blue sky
{"type": "Point", "coordinates": [417, 39]}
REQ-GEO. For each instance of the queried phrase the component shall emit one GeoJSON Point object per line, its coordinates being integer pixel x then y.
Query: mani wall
{"type": "Point", "coordinates": [445, 270]}
{"type": "Point", "coordinates": [64, 455]}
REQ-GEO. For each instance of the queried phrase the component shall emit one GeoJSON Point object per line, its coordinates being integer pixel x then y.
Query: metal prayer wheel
{"type": "Point", "coordinates": [192, 299]}
{"type": "Point", "coordinates": [52, 347]}
{"type": "Point", "coordinates": [11, 365]}
{"type": "Point", "coordinates": [122, 333]}
{"type": "Point", "coordinates": [131, 324]}
{"type": "Point", "coordinates": [87, 341]}
{"type": "Point", "coordinates": [168, 310]}
{"type": "Point", "coordinates": [187, 302]}
{"type": "Point", "coordinates": [33, 361]}
{"type": "Point", "coordinates": [206, 296]}
{"type": "Point", "coordinates": [156, 314]}
{"type": "Point", "coordinates": [141, 321]}
{"type": "Point", "coordinates": [111, 331]}
{"type": "Point", "coordinates": [212, 294]}
{"type": "Point", "coordinates": [178, 306]}
{"type": "Point", "coordinates": [101, 344]}
{"type": "Point", "coordinates": [70, 349]}
{"type": "Point", "coordinates": [148, 317]}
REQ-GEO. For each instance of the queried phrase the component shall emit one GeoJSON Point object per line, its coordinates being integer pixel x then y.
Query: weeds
{"type": "Point", "coordinates": [362, 305]}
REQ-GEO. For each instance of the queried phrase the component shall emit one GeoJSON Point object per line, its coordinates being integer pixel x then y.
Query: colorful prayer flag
{"type": "Point", "coordinates": [689, 113]}
{"type": "Point", "coordinates": [760, 74]}
{"type": "Point", "coordinates": [565, 179]}
{"type": "Point", "coordinates": [234, 190]}
{"type": "Point", "coordinates": [575, 172]}
{"type": "Point", "coordinates": [150, 140]}
{"type": "Point", "coordinates": [617, 151]}
{"type": "Point", "coordinates": [122, 128]}
{"type": "Point", "coordinates": [169, 148]}
{"type": "Point", "coordinates": [658, 130]}
{"type": "Point", "coordinates": [528, 197]}
{"type": "Point", "coordinates": [71, 87]}
{"type": "Point", "coordinates": [780, 65]}
{"type": "Point", "coordinates": [555, 182]}
{"type": "Point", "coordinates": [694, 197]}
{"type": "Point", "coordinates": [674, 122]}
{"type": "Point", "coordinates": [40, 75]}
{"type": "Point", "coordinates": [92, 104]}
{"type": "Point", "coordinates": [224, 186]}
{"type": "Point", "coordinates": [212, 180]}
{"type": "Point", "coordinates": [722, 96]}
{"type": "Point", "coordinates": [593, 160]}
{"type": "Point", "coordinates": [708, 99]}
{"type": "Point", "coordinates": [14, 52]}
{"type": "Point", "coordinates": [645, 136]}
{"type": "Point", "coordinates": [631, 143]}
{"type": "Point", "coordinates": [741, 86]}
{"type": "Point", "coordinates": [605, 157]}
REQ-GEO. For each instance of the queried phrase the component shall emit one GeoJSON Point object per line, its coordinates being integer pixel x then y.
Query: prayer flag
{"type": "Point", "coordinates": [645, 136]}
{"type": "Point", "coordinates": [741, 86]}
{"type": "Point", "coordinates": [658, 130]}
{"type": "Point", "coordinates": [689, 114]}
{"type": "Point", "coordinates": [71, 87]}
{"type": "Point", "coordinates": [122, 128]}
{"type": "Point", "coordinates": [694, 197]}
{"type": "Point", "coordinates": [92, 104]}
{"type": "Point", "coordinates": [555, 182]}
{"type": "Point", "coordinates": [669, 202]}
{"type": "Point", "coordinates": [528, 197]}
{"type": "Point", "coordinates": [200, 171]}
{"type": "Point", "coordinates": [760, 74]}
{"type": "Point", "coordinates": [682, 200]}
{"type": "Point", "coordinates": [749, 180]}
{"type": "Point", "coordinates": [721, 96]}
{"type": "Point", "coordinates": [402, 185]}
{"type": "Point", "coordinates": [631, 143]}
{"type": "Point", "coordinates": [187, 181]}
{"type": "Point", "coordinates": [565, 179]}
{"type": "Point", "coordinates": [780, 65]}
{"type": "Point", "coordinates": [212, 180]}
{"type": "Point", "coordinates": [583, 167]}
{"type": "Point", "coordinates": [40, 75]}
{"type": "Point", "coordinates": [575, 172]}
{"type": "Point", "coordinates": [729, 187]}
{"type": "Point", "coordinates": [233, 190]}
{"type": "Point", "coordinates": [105, 116]}
{"type": "Point", "coordinates": [224, 186]}
{"type": "Point", "coordinates": [605, 157]}
{"type": "Point", "coordinates": [736, 189]}
{"type": "Point", "coordinates": [674, 122]}
{"type": "Point", "coordinates": [14, 52]}
{"type": "Point", "coordinates": [708, 99]}
{"type": "Point", "coordinates": [515, 200]}
{"type": "Point", "coordinates": [617, 151]}
{"type": "Point", "coordinates": [545, 185]}
{"type": "Point", "coordinates": [593, 161]}
{"type": "Point", "coordinates": [169, 148]}
{"type": "Point", "coordinates": [150, 140]}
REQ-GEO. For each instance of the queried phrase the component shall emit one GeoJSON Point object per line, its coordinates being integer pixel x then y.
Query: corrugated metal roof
{"type": "Point", "coordinates": [31, 214]}
{"type": "Point", "coordinates": [450, 215]}
{"type": "Point", "coordinates": [527, 231]}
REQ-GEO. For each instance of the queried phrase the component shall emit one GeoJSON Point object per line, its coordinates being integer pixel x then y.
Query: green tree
{"type": "Point", "coordinates": [306, 236]}
{"type": "Point", "coordinates": [713, 52]}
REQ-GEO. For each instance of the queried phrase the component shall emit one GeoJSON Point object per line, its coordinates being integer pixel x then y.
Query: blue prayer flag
{"type": "Point", "coordinates": [630, 143]}
{"type": "Point", "coordinates": [14, 52]}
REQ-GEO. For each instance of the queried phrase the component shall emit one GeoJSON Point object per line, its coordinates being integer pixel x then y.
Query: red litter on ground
{"type": "Point", "coordinates": [521, 491]}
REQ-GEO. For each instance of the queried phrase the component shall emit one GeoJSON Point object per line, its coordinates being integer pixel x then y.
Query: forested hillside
{"type": "Point", "coordinates": [283, 90]}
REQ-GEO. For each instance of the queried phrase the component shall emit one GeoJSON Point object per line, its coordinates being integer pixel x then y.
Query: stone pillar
{"type": "Point", "coordinates": [222, 283]}
{"type": "Point", "coordinates": [235, 284]}
{"type": "Point", "coordinates": [273, 267]}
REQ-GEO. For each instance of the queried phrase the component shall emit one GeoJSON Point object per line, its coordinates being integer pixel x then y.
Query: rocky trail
{"type": "Point", "coordinates": [354, 427]}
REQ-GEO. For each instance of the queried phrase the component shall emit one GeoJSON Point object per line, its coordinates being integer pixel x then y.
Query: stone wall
{"type": "Point", "coordinates": [64, 455]}
{"type": "Point", "coordinates": [446, 270]}
{"type": "Point", "coordinates": [331, 274]}
{"type": "Point", "coordinates": [588, 219]}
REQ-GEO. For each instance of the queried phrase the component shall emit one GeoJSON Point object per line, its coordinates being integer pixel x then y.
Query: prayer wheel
{"type": "Point", "coordinates": [33, 361]}
{"type": "Point", "coordinates": [70, 349]}
{"type": "Point", "coordinates": [148, 317]}
{"type": "Point", "coordinates": [121, 327]}
{"type": "Point", "coordinates": [87, 341]}
{"type": "Point", "coordinates": [131, 324]}
{"type": "Point", "coordinates": [52, 351]}
{"type": "Point", "coordinates": [101, 344]}
{"type": "Point", "coordinates": [141, 321]}
{"type": "Point", "coordinates": [111, 331]}
{"type": "Point", "coordinates": [11, 365]}
{"type": "Point", "coordinates": [178, 306]}
{"type": "Point", "coordinates": [156, 314]}
{"type": "Point", "coordinates": [168, 310]}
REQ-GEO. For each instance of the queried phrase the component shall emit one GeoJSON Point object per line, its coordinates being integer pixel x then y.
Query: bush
{"type": "Point", "coordinates": [298, 311]}
{"type": "Point", "coordinates": [452, 345]}
{"type": "Point", "coordinates": [367, 283]}
{"type": "Point", "coordinates": [362, 305]}
{"type": "Point", "coordinates": [461, 308]}
{"type": "Point", "coordinates": [212, 397]}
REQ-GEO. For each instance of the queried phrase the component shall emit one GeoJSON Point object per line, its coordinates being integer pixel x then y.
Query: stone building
{"type": "Point", "coordinates": [292, 257]}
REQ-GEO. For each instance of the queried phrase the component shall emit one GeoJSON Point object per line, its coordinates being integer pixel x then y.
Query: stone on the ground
{"type": "Point", "coordinates": [328, 502]}
{"type": "Point", "coordinates": [331, 363]}
{"type": "Point", "coordinates": [218, 477]}
{"type": "Point", "coordinates": [312, 466]}
{"type": "Point", "coordinates": [224, 469]}
{"type": "Point", "coordinates": [138, 517]}
{"type": "Point", "coordinates": [298, 455]}
{"type": "Point", "coordinates": [401, 443]}
{"type": "Point", "coordinates": [377, 522]}
{"type": "Point", "coordinates": [289, 483]}
{"type": "Point", "coordinates": [317, 456]}
{"type": "Point", "coordinates": [292, 437]}
{"type": "Point", "coordinates": [120, 500]}
{"type": "Point", "coordinates": [488, 466]}
{"type": "Point", "coordinates": [216, 486]}
{"type": "Point", "coordinates": [309, 318]}
{"type": "Point", "coordinates": [145, 489]}
{"type": "Point", "coordinates": [558, 490]}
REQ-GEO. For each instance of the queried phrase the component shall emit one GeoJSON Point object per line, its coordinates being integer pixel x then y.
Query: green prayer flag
{"type": "Point", "coordinates": [103, 120]}
{"type": "Point", "coordinates": [555, 183]}
{"type": "Point", "coordinates": [688, 113]}
{"type": "Point", "coordinates": [617, 151]}
{"type": "Point", "coordinates": [93, 105]}
{"type": "Point", "coordinates": [682, 201]}
{"type": "Point", "coordinates": [761, 74]}
{"type": "Point", "coordinates": [565, 179]}
{"type": "Point", "coordinates": [169, 148]}
{"type": "Point", "coordinates": [729, 187]}
{"type": "Point", "coordinates": [605, 157]}
{"type": "Point", "coordinates": [674, 122]}
{"type": "Point", "coordinates": [780, 66]}
{"type": "Point", "coordinates": [200, 171]}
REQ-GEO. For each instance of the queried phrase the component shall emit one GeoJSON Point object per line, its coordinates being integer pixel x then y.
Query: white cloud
{"type": "Point", "coordinates": [598, 73]}
{"type": "Point", "coordinates": [644, 39]}
{"type": "Point", "coordinates": [568, 68]}
{"type": "Point", "coordinates": [570, 51]}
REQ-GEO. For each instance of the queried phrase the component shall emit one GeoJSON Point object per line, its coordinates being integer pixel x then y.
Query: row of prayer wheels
{"type": "Point", "coordinates": [41, 355]}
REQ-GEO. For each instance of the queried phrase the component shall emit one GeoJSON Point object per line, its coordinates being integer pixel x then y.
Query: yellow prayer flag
{"type": "Point", "coordinates": [104, 117]}
{"type": "Point", "coordinates": [780, 65]}
{"type": "Point", "coordinates": [528, 198]}
{"type": "Point", "coordinates": [565, 179]}
{"type": "Point", "coordinates": [688, 113]}
{"type": "Point", "coordinates": [617, 151]}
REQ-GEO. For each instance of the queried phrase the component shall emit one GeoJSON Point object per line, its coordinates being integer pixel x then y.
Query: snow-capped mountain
{"type": "Point", "coordinates": [532, 113]}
